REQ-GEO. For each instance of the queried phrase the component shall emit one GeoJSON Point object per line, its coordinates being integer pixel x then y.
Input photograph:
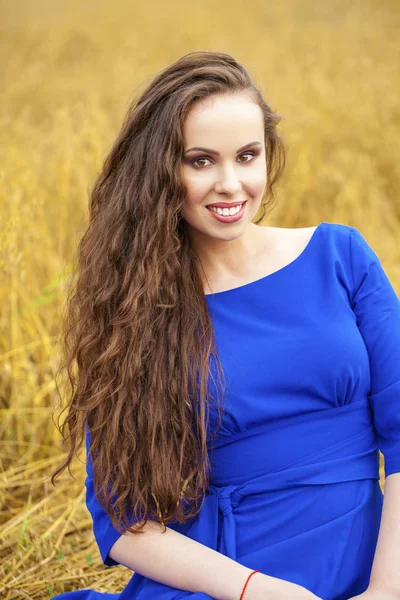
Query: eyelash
{"type": "Point", "coordinates": [254, 154]}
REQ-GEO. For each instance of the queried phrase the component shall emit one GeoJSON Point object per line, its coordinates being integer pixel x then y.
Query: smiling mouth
{"type": "Point", "coordinates": [237, 207]}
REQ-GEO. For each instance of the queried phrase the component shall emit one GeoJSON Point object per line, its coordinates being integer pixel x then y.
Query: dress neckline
{"type": "Point", "coordinates": [298, 259]}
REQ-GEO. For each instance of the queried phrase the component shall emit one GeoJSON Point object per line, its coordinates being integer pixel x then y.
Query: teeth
{"type": "Point", "coordinates": [226, 211]}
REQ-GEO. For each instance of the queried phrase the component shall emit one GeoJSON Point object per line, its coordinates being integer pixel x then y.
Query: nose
{"type": "Point", "coordinates": [229, 182]}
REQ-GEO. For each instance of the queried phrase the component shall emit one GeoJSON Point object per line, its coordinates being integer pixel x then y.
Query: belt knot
{"type": "Point", "coordinates": [228, 499]}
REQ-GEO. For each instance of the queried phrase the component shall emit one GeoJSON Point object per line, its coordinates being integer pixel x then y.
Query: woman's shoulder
{"type": "Point", "coordinates": [289, 242]}
{"type": "Point", "coordinates": [299, 235]}
{"type": "Point", "coordinates": [331, 241]}
{"type": "Point", "coordinates": [336, 235]}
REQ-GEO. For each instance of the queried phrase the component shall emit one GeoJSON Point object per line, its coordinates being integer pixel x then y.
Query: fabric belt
{"type": "Point", "coordinates": [323, 447]}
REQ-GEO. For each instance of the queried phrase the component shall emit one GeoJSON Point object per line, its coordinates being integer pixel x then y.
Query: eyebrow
{"type": "Point", "coordinates": [249, 145]}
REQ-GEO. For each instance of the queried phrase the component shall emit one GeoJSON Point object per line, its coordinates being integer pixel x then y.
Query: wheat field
{"type": "Point", "coordinates": [69, 70]}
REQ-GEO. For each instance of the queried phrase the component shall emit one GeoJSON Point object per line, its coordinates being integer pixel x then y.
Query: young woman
{"type": "Point", "coordinates": [235, 381]}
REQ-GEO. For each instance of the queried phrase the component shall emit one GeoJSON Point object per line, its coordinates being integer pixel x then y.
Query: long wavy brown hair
{"type": "Point", "coordinates": [137, 337]}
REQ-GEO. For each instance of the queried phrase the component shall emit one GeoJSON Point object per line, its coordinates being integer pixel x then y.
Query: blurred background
{"type": "Point", "coordinates": [68, 73]}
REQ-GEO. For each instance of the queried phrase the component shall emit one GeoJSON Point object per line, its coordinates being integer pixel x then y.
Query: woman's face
{"type": "Point", "coordinates": [230, 169]}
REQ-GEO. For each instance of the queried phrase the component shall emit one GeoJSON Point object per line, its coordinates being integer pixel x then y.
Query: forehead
{"type": "Point", "coordinates": [215, 117]}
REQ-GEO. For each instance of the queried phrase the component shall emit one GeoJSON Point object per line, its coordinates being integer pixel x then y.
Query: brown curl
{"type": "Point", "coordinates": [137, 335]}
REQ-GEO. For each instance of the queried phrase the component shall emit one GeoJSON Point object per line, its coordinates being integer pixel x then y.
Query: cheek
{"type": "Point", "coordinates": [259, 184]}
{"type": "Point", "coordinates": [196, 190]}
{"type": "Point", "coordinates": [198, 187]}
{"type": "Point", "coordinates": [259, 178]}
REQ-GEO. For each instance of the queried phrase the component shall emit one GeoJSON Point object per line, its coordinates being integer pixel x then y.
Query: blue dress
{"type": "Point", "coordinates": [311, 355]}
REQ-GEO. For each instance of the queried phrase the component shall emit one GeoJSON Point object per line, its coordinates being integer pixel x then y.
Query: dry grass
{"type": "Point", "coordinates": [68, 73]}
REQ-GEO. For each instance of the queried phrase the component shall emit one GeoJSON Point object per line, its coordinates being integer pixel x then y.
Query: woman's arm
{"type": "Point", "coordinates": [377, 309]}
{"type": "Point", "coordinates": [385, 574]}
{"type": "Point", "coordinates": [169, 558]}
{"type": "Point", "coordinates": [176, 560]}
{"type": "Point", "coordinates": [182, 563]}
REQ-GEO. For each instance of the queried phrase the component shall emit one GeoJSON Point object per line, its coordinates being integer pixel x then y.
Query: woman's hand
{"type": "Point", "coordinates": [377, 594]}
{"type": "Point", "coordinates": [264, 587]}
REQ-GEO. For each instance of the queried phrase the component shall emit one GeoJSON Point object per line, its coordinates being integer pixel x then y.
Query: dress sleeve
{"type": "Point", "coordinates": [377, 309]}
{"type": "Point", "coordinates": [104, 532]}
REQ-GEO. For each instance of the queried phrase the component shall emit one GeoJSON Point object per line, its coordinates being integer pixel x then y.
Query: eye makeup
{"type": "Point", "coordinates": [193, 160]}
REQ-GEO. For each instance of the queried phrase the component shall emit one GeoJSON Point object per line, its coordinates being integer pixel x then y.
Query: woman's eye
{"type": "Point", "coordinates": [196, 160]}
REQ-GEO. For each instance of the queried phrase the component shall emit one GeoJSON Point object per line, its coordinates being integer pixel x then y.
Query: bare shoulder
{"type": "Point", "coordinates": [289, 239]}
{"type": "Point", "coordinates": [274, 248]}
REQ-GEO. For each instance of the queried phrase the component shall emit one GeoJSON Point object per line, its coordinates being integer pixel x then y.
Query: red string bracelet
{"type": "Point", "coordinates": [247, 581]}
